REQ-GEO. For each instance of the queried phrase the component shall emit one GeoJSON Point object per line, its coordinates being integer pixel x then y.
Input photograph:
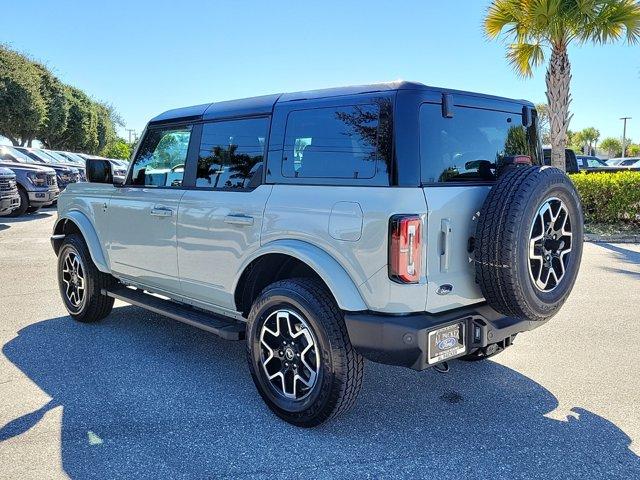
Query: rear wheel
{"type": "Point", "coordinates": [299, 353]}
{"type": "Point", "coordinates": [81, 283]}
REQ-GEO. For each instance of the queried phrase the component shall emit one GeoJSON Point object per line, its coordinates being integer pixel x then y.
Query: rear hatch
{"type": "Point", "coordinates": [459, 156]}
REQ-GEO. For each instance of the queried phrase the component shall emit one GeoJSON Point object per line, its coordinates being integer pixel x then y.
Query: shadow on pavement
{"type": "Point", "coordinates": [626, 255]}
{"type": "Point", "coordinates": [144, 396]}
{"type": "Point", "coordinates": [3, 226]}
{"type": "Point", "coordinates": [27, 217]}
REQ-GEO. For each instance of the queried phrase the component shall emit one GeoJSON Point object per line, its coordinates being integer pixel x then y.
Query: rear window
{"type": "Point", "coordinates": [470, 145]}
{"type": "Point", "coordinates": [336, 142]}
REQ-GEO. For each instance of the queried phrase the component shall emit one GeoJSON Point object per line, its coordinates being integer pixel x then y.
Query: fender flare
{"type": "Point", "coordinates": [90, 237]}
{"type": "Point", "coordinates": [340, 284]}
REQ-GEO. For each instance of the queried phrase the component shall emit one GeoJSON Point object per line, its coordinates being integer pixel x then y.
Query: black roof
{"type": "Point", "coordinates": [264, 104]}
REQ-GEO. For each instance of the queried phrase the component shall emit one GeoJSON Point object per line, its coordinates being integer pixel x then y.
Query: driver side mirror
{"type": "Point", "coordinates": [99, 171]}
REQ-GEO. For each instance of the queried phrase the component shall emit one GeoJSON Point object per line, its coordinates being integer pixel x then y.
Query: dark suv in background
{"type": "Point", "coordinates": [9, 196]}
{"type": "Point", "coordinates": [65, 172]}
{"type": "Point", "coordinates": [37, 184]}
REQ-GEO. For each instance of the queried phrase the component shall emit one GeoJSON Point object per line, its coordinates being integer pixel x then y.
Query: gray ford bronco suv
{"type": "Point", "coordinates": [397, 222]}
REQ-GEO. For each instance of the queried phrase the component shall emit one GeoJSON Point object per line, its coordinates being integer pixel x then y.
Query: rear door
{"type": "Point", "coordinates": [221, 214]}
{"type": "Point", "coordinates": [459, 154]}
{"type": "Point", "coordinates": [143, 213]}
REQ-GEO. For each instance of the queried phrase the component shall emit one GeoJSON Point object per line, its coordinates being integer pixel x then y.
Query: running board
{"type": "Point", "coordinates": [216, 324]}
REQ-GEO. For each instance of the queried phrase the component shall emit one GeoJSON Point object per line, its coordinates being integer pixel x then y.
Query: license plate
{"type": "Point", "coordinates": [446, 342]}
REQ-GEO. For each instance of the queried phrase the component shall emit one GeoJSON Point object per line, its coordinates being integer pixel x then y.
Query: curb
{"type": "Point", "coordinates": [593, 238]}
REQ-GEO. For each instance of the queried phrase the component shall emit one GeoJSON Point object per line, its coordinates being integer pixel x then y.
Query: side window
{"type": "Point", "coordinates": [232, 153]}
{"type": "Point", "coordinates": [472, 144]}
{"type": "Point", "coordinates": [161, 158]}
{"type": "Point", "coordinates": [338, 142]}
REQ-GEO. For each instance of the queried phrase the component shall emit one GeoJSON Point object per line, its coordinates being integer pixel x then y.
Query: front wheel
{"type": "Point", "coordinates": [81, 283]}
{"type": "Point", "coordinates": [299, 353]}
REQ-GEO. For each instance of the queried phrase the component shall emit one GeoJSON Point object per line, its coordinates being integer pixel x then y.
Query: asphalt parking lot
{"type": "Point", "coordinates": [142, 396]}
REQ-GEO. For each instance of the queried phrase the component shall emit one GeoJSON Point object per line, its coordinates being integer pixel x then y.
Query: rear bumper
{"type": "Point", "coordinates": [403, 339]}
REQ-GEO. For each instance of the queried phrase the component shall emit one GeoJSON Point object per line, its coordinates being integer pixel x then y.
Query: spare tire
{"type": "Point", "coordinates": [528, 242]}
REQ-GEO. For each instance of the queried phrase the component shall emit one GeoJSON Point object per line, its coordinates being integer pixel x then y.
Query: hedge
{"type": "Point", "coordinates": [609, 197]}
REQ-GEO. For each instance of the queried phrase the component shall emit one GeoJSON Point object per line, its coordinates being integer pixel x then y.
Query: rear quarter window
{"type": "Point", "coordinates": [342, 142]}
{"type": "Point", "coordinates": [470, 146]}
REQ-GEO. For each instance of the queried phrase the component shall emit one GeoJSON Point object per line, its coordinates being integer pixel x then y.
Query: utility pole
{"type": "Point", "coordinates": [131, 130]}
{"type": "Point", "coordinates": [624, 133]}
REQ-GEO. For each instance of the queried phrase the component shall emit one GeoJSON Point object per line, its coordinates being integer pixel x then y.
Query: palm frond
{"type": "Point", "coordinates": [524, 57]}
{"type": "Point", "coordinates": [501, 14]}
{"type": "Point", "coordinates": [613, 20]}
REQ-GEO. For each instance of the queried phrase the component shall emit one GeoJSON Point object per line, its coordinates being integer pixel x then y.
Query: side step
{"type": "Point", "coordinates": [224, 328]}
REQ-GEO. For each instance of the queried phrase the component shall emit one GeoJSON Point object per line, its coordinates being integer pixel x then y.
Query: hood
{"type": "Point", "coordinates": [29, 167]}
{"type": "Point", "coordinates": [63, 169]}
{"type": "Point", "coordinates": [6, 172]}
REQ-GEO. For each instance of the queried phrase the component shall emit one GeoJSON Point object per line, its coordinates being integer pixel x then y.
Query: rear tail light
{"type": "Point", "coordinates": [405, 238]}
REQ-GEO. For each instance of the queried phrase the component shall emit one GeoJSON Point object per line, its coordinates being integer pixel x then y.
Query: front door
{"type": "Point", "coordinates": [143, 213]}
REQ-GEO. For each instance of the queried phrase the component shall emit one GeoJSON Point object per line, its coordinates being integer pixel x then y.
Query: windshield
{"type": "Point", "coordinates": [73, 157]}
{"type": "Point", "coordinates": [594, 162]}
{"type": "Point", "coordinates": [17, 154]}
{"type": "Point", "coordinates": [57, 158]}
{"type": "Point", "coordinates": [629, 162]}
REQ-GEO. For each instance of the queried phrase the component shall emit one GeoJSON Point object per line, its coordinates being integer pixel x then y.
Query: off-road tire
{"type": "Point", "coordinates": [502, 240]}
{"type": "Point", "coordinates": [24, 204]}
{"type": "Point", "coordinates": [96, 306]}
{"type": "Point", "coordinates": [341, 367]}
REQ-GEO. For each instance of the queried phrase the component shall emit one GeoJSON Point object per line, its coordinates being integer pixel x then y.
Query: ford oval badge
{"type": "Point", "coordinates": [444, 289]}
{"type": "Point", "coordinates": [447, 343]}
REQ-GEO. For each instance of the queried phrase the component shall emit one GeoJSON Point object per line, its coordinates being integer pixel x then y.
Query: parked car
{"type": "Point", "coordinates": [589, 162]}
{"type": "Point", "coordinates": [66, 160]}
{"type": "Point", "coordinates": [571, 161]}
{"type": "Point", "coordinates": [612, 162]}
{"type": "Point", "coordinates": [65, 173]}
{"type": "Point", "coordinates": [37, 185]}
{"type": "Point", "coordinates": [9, 196]}
{"type": "Point", "coordinates": [327, 226]}
{"type": "Point", "coordinates": [630, 162]}
{"type": "Point", "coordinates": [72, 157]}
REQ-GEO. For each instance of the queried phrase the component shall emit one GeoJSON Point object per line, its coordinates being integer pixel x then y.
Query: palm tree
{"type": "Point", "coordinates": [536, 26]}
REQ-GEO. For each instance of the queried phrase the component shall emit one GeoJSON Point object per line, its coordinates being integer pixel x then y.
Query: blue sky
{"type": "Point", "coordinates": [145, 57]}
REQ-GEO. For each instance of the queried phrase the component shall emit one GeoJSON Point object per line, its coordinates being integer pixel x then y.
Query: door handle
{"type": "Point", "coordinates": [239, 219]}
{"type": "Point", "coordinates": [446, 232]}
{"type": "Point", "coordinates": [161, 211]}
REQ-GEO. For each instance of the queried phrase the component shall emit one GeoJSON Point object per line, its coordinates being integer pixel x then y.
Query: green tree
{"type": "Point", "coordinates": [611, 146]}
{"type": "Point", "coordinates": [118, 148]}
{"type": "Point", "coordinates": [55, 97]}
{"type": "Point", "coordinates": [536, 26]}
{"type": "Point", "coordinates": [633, 150]}
{"type": "Point", "coordinates": [22, 107]}
{"type": "Point", "coordinates": [586, 140]}
{"type": "Point", "coordinates": [107, 119]}
{"type": "Point", "coordinates": [543, 122]}
{"type": "Point", "coordinates": [81, 133]}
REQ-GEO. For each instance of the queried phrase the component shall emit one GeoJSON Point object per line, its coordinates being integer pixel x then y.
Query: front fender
{"type": "Point", "coordinates": [332, 273]}
{"type": "Point", "coordinates": [90, 236]}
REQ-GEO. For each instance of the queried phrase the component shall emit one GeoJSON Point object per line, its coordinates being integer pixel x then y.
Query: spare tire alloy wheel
{"type": "Point", "coordinates": [550, 245]}
{"type": "Point", "coordinates": [289, 354]}
{"type": "Point", "coordinates": [528, 242]}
